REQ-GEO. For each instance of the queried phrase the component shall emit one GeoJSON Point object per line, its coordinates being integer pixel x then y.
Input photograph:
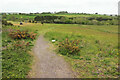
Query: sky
{"type": "Point", "coordinates": [78, 6]}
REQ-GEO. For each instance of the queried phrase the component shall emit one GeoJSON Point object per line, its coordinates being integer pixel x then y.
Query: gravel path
{"type": "Point", "coordinates": [47, 63]}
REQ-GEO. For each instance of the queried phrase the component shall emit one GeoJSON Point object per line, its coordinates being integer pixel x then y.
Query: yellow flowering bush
{"type": "Point", "coordinates": [22, 35]}
{"type": "Point", "coordinates": [69, 47]}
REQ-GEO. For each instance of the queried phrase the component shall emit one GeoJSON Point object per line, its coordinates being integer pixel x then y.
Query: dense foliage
{"type": "Point", "coordinates": [64, 17]}
{"type": "Point", "coordinates": [4, 22]}
{"type": "Point", "coordinates": [69, 47]}
{"type": "Point", "coordinates": [47, 19]}
{"type": "Point", "coordinates": [77, 20]}
{"type": "Point", "coordinates": [22, 35]}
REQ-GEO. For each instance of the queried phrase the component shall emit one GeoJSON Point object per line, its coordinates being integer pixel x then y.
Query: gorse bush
{"type": "Point", "coordinates": [4, 22]}
{"type": "Point", "coordinates": [32, 35]}
{"type": "Point", "coordinates": [21, 45]}
{"type": "Point", "coordinates": [69, 47]}
{"type": "Point", "coordinates": [18, 34]}
{"type": "Point", "coordinates": [18, 46]}
{"type": "Point", "coordinates": [22, 35]}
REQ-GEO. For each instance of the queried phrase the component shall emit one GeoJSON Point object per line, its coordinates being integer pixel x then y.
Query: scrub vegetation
{"type": "Point", "coordinates": [88, 42]}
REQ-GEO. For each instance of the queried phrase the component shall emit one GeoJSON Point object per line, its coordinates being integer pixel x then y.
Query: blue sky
{"type": "Point", "coordinates": [85, 6]}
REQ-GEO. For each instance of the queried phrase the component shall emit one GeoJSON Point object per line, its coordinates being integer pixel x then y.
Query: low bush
{"type": "Point", "coordinates": [69, 47]}
{"type": "Point", "coordinates": [22, 35]}
{"type": "Point", "coordinates": [32, 35]}
{"type": "Point", "coordinates": [19, 45]}
{"type": "Point", "coordinates": [4, 22]}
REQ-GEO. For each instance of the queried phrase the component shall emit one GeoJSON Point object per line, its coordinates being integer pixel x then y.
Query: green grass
{"type": "Point", "coordinates": [15, 65]}
{"type": "Point", "coordinates": [15, 62]}
{"type": "Point", "coordinates": [68, 18]}
{"type": "Point", "coordinates": [98, 55]}
{"type": "Point", "coordinates": [66, 15]}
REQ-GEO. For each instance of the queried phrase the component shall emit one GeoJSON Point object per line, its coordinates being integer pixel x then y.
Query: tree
{"type": "Point", "coordinates": [4, 22]}
{"type": "Point", "coordinates": [96, 13]}
{"type": "Point", "coordinates": [39, 18]}
{"type": "Point", "coordinates": [12, 18]}
{"type": "Point", "coordinates": [49, 19]}
{"type": "Point", "coordinates": [46, 13]}
{"type": "Point", "coordinates": [62, 12]}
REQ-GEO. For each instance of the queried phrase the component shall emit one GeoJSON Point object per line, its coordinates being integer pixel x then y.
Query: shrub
{"type": "Point", "coordinates": [29, 21]}
{"type": "Point", "coordinates": [32, 35]}
{"type": "Point", "coordinates": [18, 45]}
{"type": "Point", "coordinates": [22, 35]}
{"type": "Point", "coordinates": [69, 47]}
{"type": "Point", "coordinates": [16, 60]}
{"type": "Point", "coordinates": [4, 22]}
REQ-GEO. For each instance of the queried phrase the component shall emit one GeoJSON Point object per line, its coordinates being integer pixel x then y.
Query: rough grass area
{"type": "Point", "coordinates": [16, 57]}
{"type": "Point", "coordinates": [98, 49]}
{"type": "Point", "coordinates": [16, 60]}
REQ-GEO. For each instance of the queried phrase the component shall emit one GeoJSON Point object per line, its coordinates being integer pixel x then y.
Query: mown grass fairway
{"type": "Point", "coordinates": [98, 56]}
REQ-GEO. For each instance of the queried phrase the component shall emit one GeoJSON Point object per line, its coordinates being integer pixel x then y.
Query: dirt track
{"type": "Point", "coordinates": [47, 63]}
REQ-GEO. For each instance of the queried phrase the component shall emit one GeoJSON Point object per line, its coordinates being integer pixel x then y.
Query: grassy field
{"type": "Point", "coordinates": [16, 60]}
{"type": "Point", "coordinates": [32, 16]}
{"type": "Point", "coordinates": [16, 55]}
{"type": "Point", "coordinates": [66, 15]}
{"type": "Point", "coordinates": [99, 49]}
{"type": "Point", "coordinates": [98, 55]}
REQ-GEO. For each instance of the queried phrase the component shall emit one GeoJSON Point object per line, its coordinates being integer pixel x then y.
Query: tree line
{"type": "Point", "coordinates": [76, 20]}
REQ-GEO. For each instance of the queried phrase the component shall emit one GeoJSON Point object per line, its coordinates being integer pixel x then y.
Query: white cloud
{"type": "Point", "coordinates": [88, 6]}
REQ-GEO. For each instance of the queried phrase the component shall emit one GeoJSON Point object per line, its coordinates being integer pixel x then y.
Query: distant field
{"type": "Point", "coordinates": [82, 19]}
{"type": "Point", "coordinates": [81, 15]}
{"type": "Point", "coordinates": [32, 16]}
